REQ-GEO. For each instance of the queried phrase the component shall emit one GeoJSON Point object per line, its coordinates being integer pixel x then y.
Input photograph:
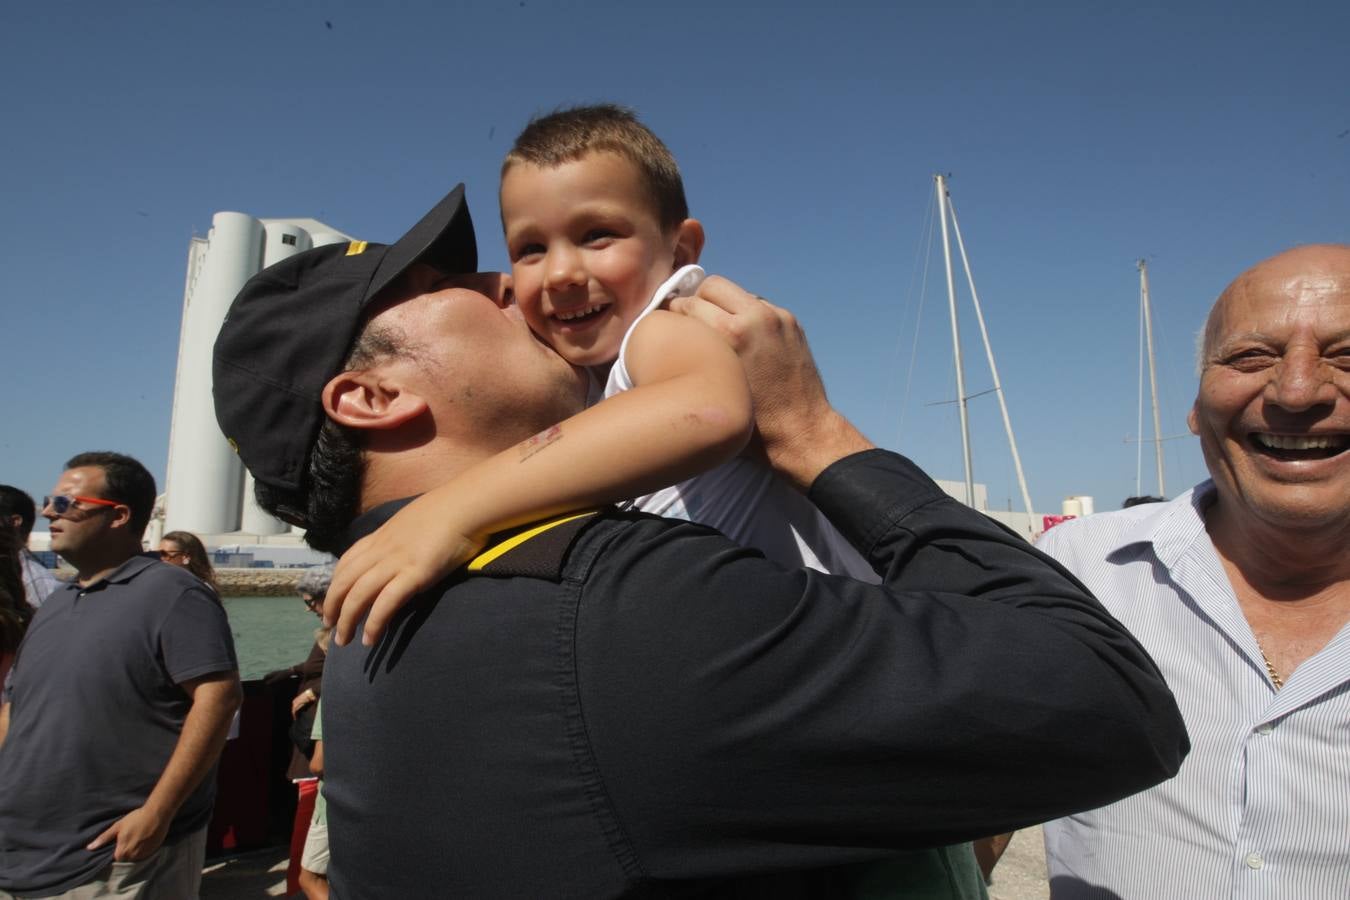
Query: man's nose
{"type": "Point", "coordinates": [1302, 380]}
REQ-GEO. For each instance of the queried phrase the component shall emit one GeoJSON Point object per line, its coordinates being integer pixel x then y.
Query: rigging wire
{"type": "Point", "coordinates": [1169, 402]}
{"type": "Point", "coordinates": [924, 251]}
{"type": "Point", "coordinates": [1139, 444]}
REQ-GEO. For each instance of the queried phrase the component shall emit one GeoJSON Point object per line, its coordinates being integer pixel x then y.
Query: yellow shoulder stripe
{"type": "Point", "coordinates": [356, 248]}
{"type": "Point", "coordinates": [492, 553]}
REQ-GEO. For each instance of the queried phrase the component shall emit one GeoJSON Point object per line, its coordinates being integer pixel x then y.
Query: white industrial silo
{"type": "Point", "coordinates": [206, 489]}
{"type": "Point", "coordinates": [204, 478]}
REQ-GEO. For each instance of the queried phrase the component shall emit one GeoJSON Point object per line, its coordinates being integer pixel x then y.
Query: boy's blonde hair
{"type": "Point", "coordinates": [568, 134]}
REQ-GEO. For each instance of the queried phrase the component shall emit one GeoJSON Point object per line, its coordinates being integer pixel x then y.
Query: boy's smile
{"type": "Point", "coordinates": [587, 251]}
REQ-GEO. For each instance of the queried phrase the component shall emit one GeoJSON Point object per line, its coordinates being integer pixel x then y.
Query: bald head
{"type": "Point", "coordinates": [1273, 409]}
{"type": "Point", "coordinates": [1311, 275]}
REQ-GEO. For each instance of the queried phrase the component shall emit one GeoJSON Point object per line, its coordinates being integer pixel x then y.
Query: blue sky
{"type": "Point", "coordinates": [1203, 136]}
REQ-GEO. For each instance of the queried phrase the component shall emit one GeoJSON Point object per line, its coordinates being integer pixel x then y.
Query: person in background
{"type": "Point", "coordinates": [38, 580]}
{"type": "Point", "coordinates": [1240, 589]}
{"type": "Point", "coordinates": [183, 548]}
{"type": "Point", "coordinates": [117, 707]}
{"type": "Point", "coordinates": [15, 612]}
{"type": "Point", "coordinates": [312, 588]}
{"type": "Point", "coordinates": [314, 859]}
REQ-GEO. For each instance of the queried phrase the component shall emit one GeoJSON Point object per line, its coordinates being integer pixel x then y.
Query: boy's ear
{"type": "Point", "coordinates": [688, 242]}
{"type": "Point", "coordinates": [369, 399]}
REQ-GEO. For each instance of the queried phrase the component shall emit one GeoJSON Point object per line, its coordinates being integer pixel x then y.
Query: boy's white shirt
{"type": "Point", "coordinates": [742, 498]}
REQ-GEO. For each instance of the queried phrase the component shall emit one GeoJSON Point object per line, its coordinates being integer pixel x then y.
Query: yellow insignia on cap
{"type": "Point", "coordinates": [356, 248]}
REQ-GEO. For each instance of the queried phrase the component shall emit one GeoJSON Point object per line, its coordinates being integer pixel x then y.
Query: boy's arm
{"type": "Point", "coordinates": [690, 411]}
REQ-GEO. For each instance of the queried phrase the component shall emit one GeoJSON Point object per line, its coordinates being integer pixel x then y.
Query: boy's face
{"type": "Point", "coordinates": [587, 251]}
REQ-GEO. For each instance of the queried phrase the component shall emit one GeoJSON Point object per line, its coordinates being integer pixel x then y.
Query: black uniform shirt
{"type": "Point", "coordinates": [622, 705]}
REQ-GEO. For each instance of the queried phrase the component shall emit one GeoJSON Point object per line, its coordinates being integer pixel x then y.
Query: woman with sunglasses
{"type": "Point", "coordinates": [183, 548]}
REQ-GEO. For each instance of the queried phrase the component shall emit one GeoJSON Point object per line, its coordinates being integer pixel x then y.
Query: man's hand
{"type": "Point", "coordinates": [138, 834]}
{"type": "Point", "coordinates": [801, 433]}
{"type": "Point", "coordinates": [141, 832]}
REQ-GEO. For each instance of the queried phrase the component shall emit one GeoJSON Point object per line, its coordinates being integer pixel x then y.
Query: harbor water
{"type": "Point", "coordinates": [269, 632]}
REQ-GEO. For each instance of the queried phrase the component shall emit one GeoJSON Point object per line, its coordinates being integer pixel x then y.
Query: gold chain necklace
{"type": "Point", "coordinates": [1275, 678]}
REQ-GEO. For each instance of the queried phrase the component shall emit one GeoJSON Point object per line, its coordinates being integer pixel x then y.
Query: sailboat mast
{"type": "Point", "coordinates": [993, 367]}
{"type": "Point", "coordinates": [1152, 373]}
{"type": "Point", "coordinates": [956, 341]}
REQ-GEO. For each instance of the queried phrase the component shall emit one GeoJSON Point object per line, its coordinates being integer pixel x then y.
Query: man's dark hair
{"type": "Point", "coordinates": [14, 502]}
{"type": "Point", "coordinates": [1142, 499]}
{"type": "Point", "coordinates": [124, 480]}
{"type": "Point", "coordinates": [331, 494]}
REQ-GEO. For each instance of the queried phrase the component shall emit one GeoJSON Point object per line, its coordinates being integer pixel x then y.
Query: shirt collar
{"type": "Point", "coordinates": [369, 521]}
{"type": "Point", "coordinates": [1171, 528]}
{"type": "Point", "coordinates": [128, 570]}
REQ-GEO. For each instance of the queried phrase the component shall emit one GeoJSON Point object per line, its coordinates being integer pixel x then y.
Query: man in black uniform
{"type": "Point", "coordinates": [616, 704]}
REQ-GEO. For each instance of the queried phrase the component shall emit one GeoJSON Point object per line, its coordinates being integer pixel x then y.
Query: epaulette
{"type": "Point", "coordinates": [536, 551]}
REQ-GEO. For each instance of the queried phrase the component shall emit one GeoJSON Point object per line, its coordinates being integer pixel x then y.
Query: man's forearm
{"type": "Point", "coordinates": [214, 701]}
{"type": "Point", "coordinates": [1035, 637]}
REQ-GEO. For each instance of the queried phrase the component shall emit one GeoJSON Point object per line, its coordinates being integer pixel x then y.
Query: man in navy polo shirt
{"type": "Point", "coordinates": [121, 697]}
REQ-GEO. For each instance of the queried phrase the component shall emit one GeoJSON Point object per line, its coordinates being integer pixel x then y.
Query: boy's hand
{"type": "Point", "coordinates": [801, 432]}
{"type": "Point", "coordinates": [383, 571]}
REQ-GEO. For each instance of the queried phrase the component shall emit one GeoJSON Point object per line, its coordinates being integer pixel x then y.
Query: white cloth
{"type": "Point", "coordinates": [1261, 807]}
{"type": "Point", "coordinates": [38, 580]}
{"type": "Point", "coordinates": [742, 498]}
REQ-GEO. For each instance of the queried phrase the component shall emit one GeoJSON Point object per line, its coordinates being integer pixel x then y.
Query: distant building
{"type": "Point", "coordinates": [206, 490]}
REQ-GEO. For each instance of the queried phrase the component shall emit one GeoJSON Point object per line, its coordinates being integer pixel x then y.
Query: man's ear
{"type": "Point", "coordinates": [370, 399]}
{"type": "Point", "coordinates": [688, 242]}
{"type": "Point", "coordinates": [121, 517]}
{"type": "Point", "coordinates": [1193, 420]}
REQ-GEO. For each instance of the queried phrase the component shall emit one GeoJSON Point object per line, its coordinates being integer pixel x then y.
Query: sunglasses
{"type": "Point", "coordinates": [172, 554]}
{"type": "Point", "coordinates": [62, 503]}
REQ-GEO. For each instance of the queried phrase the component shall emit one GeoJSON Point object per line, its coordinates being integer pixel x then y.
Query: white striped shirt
{"type": "Point", "coordinates": [1261, 807]}
{"type": "Point", "coordinates": [38, 580]}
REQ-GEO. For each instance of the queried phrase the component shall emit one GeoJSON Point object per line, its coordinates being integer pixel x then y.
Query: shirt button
{"type": "Point", "coordinates": [1265, 728]}
{"type": "Point", "coordinates": [1254, 861]}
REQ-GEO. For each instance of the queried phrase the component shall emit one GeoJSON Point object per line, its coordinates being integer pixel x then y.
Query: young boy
{"type": "Point", "coordinates": [600, 238]}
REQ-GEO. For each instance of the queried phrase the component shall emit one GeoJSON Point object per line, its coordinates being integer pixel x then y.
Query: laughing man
{"type": "Point", "coordinates": [1240, 590]}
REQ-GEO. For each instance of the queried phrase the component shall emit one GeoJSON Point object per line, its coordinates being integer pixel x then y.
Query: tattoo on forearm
{"type": "Point", "coordinates": [540, 441]}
